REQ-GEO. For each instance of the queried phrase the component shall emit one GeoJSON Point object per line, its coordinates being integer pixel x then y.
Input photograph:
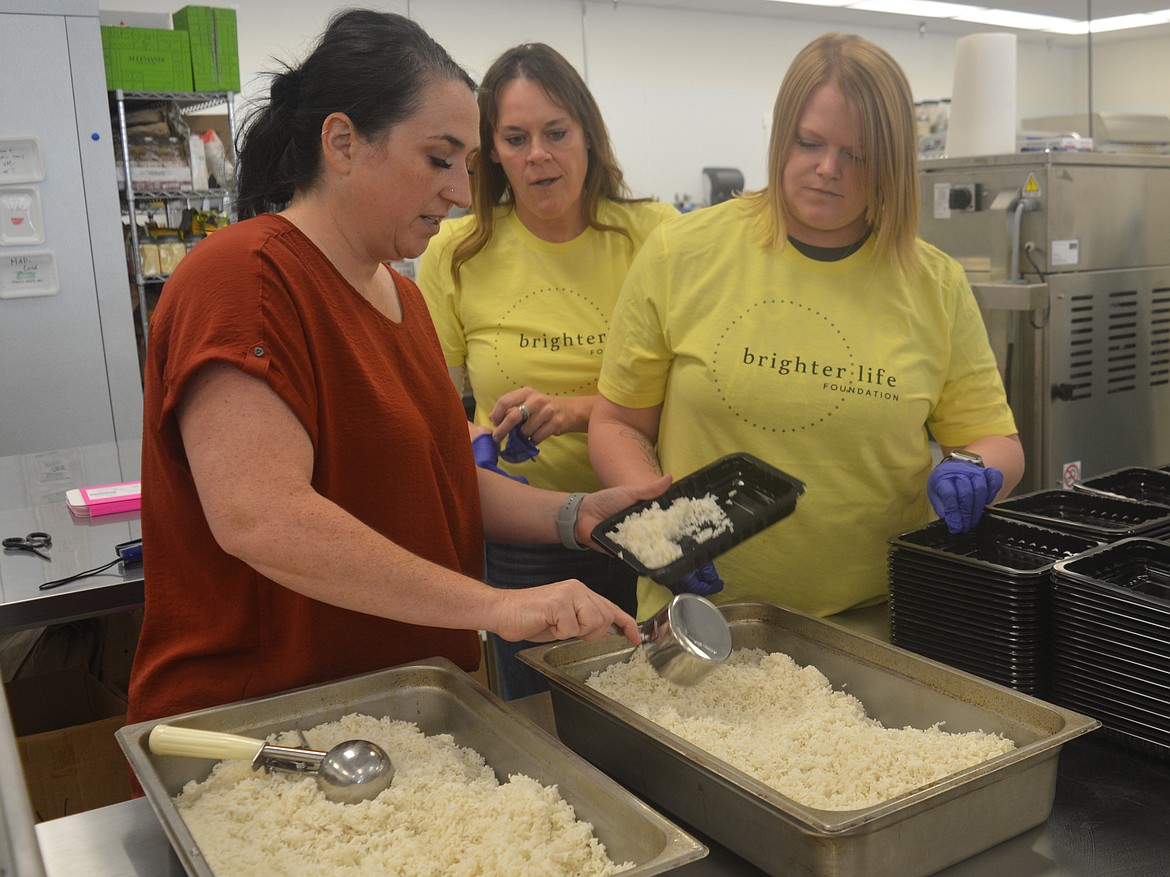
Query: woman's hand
{"type": "Point", "coordinates": [559, 611]}
{"type": "Point", "coordinates": [539, 415]}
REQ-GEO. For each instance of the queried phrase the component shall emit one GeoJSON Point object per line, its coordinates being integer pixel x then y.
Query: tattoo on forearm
{"type": "Point", "coordinates": [646, 446]}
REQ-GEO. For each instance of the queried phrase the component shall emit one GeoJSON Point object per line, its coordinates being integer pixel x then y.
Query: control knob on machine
{"type": "Point", "coordinates": [961, 198]}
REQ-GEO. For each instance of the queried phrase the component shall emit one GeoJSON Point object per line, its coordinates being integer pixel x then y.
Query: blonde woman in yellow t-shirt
{"type": "Point", "coordinates": [521, 291]}
{"type": "Point", "coordinates": [807, 324]}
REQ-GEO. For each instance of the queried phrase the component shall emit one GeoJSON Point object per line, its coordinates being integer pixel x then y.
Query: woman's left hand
{"type": "Point", "coordinates": [959, 491]}
{"type": "Point", "coordinates": [538, 415]}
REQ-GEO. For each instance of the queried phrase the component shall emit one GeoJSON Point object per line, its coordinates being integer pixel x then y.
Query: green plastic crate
{"type": "Point", "coordinates": [146, 59]}
{"type": "Point", "coordinates": [215, 57]}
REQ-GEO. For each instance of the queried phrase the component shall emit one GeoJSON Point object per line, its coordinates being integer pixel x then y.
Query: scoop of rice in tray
{"type": "Point", "coordinates": [787, 727]}
{"type": "Point", "coordinates": [445, 814]}
{"type": "Point", "coordinates": [654, 534]}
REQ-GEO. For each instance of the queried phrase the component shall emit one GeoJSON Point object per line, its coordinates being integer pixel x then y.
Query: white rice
{"type": "Point", "coordinates": [785, 726]}
{"type": "Point", "coordinates": [445, 815]}
{"type": "Point", "coordinates": [653, 534]}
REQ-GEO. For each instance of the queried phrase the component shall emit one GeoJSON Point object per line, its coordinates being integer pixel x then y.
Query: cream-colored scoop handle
{"type": "Point", "coordinates": [195, 743]}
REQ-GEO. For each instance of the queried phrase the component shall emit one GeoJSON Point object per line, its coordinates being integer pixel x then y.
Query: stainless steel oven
{"type": "Point", "coordinates": [1069, 257]}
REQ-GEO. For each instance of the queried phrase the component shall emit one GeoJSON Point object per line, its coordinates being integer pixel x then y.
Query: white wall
{"type": "Point", "coordinates": [681, 90]}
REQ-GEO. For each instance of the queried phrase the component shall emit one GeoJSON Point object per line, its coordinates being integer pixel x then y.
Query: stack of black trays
{"type": "Point", "coordinates": [1132, 482]}
{"type": "Point", "coordinates": [1111, 640]}
{"type": "Point", "coordinates": [979, 601]}
{"type": "Point", "coordinates": [1097, 516]}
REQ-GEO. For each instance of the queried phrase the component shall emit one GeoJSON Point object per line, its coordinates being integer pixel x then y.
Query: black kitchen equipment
{"type": "Point", "coordinates": [721, 184]}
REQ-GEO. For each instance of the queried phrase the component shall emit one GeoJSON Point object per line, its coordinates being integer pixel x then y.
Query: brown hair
{"type": "Point", "coordinates": [546, 67]}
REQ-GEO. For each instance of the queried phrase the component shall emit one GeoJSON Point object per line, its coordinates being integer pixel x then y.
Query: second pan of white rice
{"type": "Point", "coordinates": [787, 727]}
{"type": "Point", "coordinates": [445, 815]}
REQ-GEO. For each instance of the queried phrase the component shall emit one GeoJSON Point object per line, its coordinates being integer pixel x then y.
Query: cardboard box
{"type": "Point", "coordinates": [64, 723]}
{"type": "Point", "coordinates": [215, 56]}
{"type": "Point", "coordinates": [156, 164]}
{"type": "Point", "coordinates": [145, 59]}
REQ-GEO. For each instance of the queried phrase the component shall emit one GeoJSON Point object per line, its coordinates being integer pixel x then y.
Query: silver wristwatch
{"type": "Point", "coordinates": [965, 457]}
{"type": "Point", "coordinates": [567, 522]}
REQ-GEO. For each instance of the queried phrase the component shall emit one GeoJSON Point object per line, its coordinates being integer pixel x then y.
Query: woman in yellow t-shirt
{"type": "Point", "coordinates": [807, 324]}
{"type": "Point", "coordinates": [521, 292]}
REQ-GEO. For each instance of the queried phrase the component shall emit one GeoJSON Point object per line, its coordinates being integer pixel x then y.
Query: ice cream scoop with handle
{"type": "Point", "coordinates": [356, 770]}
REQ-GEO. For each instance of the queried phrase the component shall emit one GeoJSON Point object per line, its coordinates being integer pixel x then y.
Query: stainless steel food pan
{"type": "Point", "coordinates": [912, 835]}
{"type": "Point", "coordinates": [441, 699]}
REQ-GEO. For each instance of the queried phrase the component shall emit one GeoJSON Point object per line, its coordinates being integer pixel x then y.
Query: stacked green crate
{"type": "Point", "coordinates": [146, 59]}
{"type": "Point", "coordinates": [215, 58]}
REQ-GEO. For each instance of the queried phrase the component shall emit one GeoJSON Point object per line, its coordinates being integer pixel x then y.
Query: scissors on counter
{"type": "Point", "coordinates": [33, 542]}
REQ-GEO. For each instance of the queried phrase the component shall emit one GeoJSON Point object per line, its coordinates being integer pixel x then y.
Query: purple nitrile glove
{"type": "Point", "coordinates": [959, 491]}
{"type": "Point", "coordinates": [486, 454]}
{"type": "Point", "coordinates": [518, 447]}
{"type": "Point", "coordinates": [704, 581]}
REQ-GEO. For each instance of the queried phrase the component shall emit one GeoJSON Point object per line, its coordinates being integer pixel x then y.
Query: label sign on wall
{"type": "Point", "coordinates": [21, 218]}
{"type": "Point", "coordinates": [1065, 253]}
{"type": "Point", "coordinates": [23, 275]}
{"type": "Point", "coordinates": [20, 160]}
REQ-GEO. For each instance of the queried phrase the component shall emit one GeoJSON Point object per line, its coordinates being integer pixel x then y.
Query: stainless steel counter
{"type": "Point", "coordinates": [32, 498]}
{"type": "Point", "coordinates": [1111, 818]}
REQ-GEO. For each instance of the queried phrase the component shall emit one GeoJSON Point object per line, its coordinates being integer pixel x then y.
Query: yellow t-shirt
{"type": "Point", "coordinates": [534, 313]}
{"type": "Point", "coordinates": [830, 371]}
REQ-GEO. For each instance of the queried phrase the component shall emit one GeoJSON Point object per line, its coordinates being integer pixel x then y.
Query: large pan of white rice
{"type": "Point", "coordinates": [478, 790]}
{"type": "Point", "coordinates": [816, 750]}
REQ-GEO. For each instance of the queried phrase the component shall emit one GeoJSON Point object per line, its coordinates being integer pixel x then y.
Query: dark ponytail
{"type": "Point", "coordinates": [372, 66]}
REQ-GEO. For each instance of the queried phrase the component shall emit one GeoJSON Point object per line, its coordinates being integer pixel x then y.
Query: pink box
{"type": "Point", "coordinates": [105, 499]}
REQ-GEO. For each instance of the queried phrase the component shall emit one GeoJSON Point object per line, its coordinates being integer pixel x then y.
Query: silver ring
{"type": "Point", "coordinates": [524, 412]}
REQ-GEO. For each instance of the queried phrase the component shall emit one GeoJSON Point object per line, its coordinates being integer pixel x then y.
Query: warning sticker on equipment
{"type": "Point", "coordinates": [1064, 252]}
{"type": "Point", "coordinates": [1031, 187]}
{"type": "Point", "coordinates": [1071, 474]}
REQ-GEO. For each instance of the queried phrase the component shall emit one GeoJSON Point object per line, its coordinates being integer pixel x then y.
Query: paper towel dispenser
{"type": "Point", "coordinates": [720, 184]}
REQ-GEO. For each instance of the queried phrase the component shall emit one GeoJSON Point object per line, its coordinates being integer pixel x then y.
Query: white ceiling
{"type": "Point", "coordinates": [1080, 10]}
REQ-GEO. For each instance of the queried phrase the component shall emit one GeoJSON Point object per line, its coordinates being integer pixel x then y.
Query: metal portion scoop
{"type": "Point", "coordinates": [356, 770]}
{"type": "Point", "coordinates": [686, 639]}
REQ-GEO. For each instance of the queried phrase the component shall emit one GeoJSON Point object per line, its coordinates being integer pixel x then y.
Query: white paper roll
{"type": "Point", "coordinates": [983, 99]}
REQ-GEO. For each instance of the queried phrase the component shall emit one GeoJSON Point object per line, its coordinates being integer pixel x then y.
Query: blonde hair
{"type": "Point", "coordinates": [871, 81]}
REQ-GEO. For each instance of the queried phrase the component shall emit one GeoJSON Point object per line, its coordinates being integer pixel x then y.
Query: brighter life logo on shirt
{"type": "Point", "coordinates": [799, 381]}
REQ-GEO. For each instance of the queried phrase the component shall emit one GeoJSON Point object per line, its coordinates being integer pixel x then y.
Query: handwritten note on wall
{"type": "Point", "coordinates": [23, 275]}
{"type": "Point", "coordinates": [20, 160]}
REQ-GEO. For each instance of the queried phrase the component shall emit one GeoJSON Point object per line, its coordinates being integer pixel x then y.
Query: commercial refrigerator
{"type": "Point", "coordinates": [68, 355]}
{"type": "Point", "coordinates": [1068, 254]}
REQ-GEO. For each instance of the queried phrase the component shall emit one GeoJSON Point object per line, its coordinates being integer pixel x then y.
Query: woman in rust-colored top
{"type": "Point", "coordinates": [311, 508]}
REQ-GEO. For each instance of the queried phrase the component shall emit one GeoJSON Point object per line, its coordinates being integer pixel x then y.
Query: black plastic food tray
{"type": "Point", "coordinates": [928, 599]}
{"type": "Point", "coordinates": [754, 495]}
{"type": "Point", "coordinates": [1139, 566]}
{"type": "Point", "coordinates": [1106, 518]}
{"type": "Point", "coordinates": [1132, 482]}
{"type": "Point", "coordinates": [1024, 673]}
{"type": "Point", "coordinates": [994, 591]}
{"type": "Point", "coordinates": [1009, 548]}
{"type": "Point", "coordinates": [962, 611]}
